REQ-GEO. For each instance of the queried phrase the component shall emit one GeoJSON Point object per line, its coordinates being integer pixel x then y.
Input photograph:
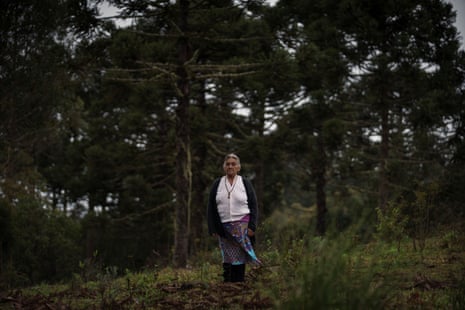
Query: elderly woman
{"type": "Point", "coordinates": [232, 217]}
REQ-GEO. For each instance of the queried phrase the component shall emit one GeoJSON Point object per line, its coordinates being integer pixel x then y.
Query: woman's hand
{"type": "Point", "coordinates": [250, 232]}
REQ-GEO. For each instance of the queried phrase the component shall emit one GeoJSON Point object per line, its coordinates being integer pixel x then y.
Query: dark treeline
{"type": "Point", "coordinates": [110, 136]}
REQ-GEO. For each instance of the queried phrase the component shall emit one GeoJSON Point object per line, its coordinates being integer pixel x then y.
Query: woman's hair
{"type": "Point", "coordinates": [232, 155]}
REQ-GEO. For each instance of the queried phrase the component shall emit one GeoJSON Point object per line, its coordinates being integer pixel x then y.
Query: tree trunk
{"type": "Point", "coordinates": [200, 183]}
{"type": "Point", "coordinates": [91, 228]}
{"type": "Point", "coordinates": [260, 173]}
{"type": "Point", "coordinates": [183, 160]}
{"type": "Point", "coordinates": [319, 170]}
{"type": "Point", "coordinates": [259, 186]}
{"type": "Point", "coordinates": [383, 156]}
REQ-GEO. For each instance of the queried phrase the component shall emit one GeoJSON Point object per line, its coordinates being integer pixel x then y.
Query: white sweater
{"type": "Point", "coordinates": [236, 206]}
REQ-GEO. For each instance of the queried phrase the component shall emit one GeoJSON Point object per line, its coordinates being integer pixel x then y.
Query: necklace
{"type": "Point", "coordinates": [226, 185]}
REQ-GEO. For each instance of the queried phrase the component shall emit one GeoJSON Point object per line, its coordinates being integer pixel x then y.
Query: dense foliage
{"type": "Point", "coordinates": [110, 136]}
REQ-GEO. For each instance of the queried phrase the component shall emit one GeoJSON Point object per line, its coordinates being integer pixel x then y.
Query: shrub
{"type": "Point", "coordinates": [329, 277]}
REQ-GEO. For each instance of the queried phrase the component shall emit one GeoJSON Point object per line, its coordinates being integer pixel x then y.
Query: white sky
{"type": "Point", "coordinates": [459, 6]}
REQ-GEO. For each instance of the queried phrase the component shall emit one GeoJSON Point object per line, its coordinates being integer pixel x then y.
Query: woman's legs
{"type": "Point", "coordinates": [227, 272]}
{"type": "Point", "coordinates": [238, 273]}
{"type": "Point", "coordinates": [236, 250]}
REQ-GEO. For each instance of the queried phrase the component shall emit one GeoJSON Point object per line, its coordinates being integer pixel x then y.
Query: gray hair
{"type": "Point", "coordinates": [232, 155]}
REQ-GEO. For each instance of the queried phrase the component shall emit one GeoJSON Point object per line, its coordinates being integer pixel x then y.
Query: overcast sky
{"type": "Point", "coordinates": [459, 6]}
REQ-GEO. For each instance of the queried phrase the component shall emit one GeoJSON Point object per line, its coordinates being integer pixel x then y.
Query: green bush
{"type": "Point", "coordinates": [458, 297]}
{"type": "Point", "coordinates": [392, 224]}
{"type": "Point", "coordinates": [43, 246]}
{"type": "Point", "coordinates": [329, 276]}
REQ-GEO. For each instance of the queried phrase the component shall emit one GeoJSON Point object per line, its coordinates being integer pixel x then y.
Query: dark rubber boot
{"type": "Point", "coordinates": [227, 272]}
{"type": "Point", "coordinates": [238, 273]}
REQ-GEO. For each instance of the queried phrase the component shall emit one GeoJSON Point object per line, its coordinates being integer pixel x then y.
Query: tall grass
{"type": "Point", "coordinates": [332, 275]}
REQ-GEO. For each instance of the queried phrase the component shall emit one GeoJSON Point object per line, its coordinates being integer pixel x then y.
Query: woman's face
{"type": "Point", "coordinates": [231, 167]}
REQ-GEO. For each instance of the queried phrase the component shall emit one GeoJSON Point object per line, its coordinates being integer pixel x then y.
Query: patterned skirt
{"type": "Point", "coordinates": [236, 248]}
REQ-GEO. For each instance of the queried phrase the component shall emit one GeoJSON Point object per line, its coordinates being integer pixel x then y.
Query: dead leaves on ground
{"type": "Point", "coordinates": [221, 295]}
{"type": "Point", "coordinates": [426, 283]}
{"type": "Point", "coordinates": [173, 296]}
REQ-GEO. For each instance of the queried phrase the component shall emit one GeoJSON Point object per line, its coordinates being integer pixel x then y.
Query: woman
{"type": "Point", "coordinates": [232, 217]}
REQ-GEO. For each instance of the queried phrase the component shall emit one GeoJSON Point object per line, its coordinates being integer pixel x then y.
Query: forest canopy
{"type": "Point", "coordinates": [110, 136]}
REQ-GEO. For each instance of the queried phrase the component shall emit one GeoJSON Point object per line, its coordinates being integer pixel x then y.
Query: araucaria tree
{"type": "Point", "coordinates": [182, 58]}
